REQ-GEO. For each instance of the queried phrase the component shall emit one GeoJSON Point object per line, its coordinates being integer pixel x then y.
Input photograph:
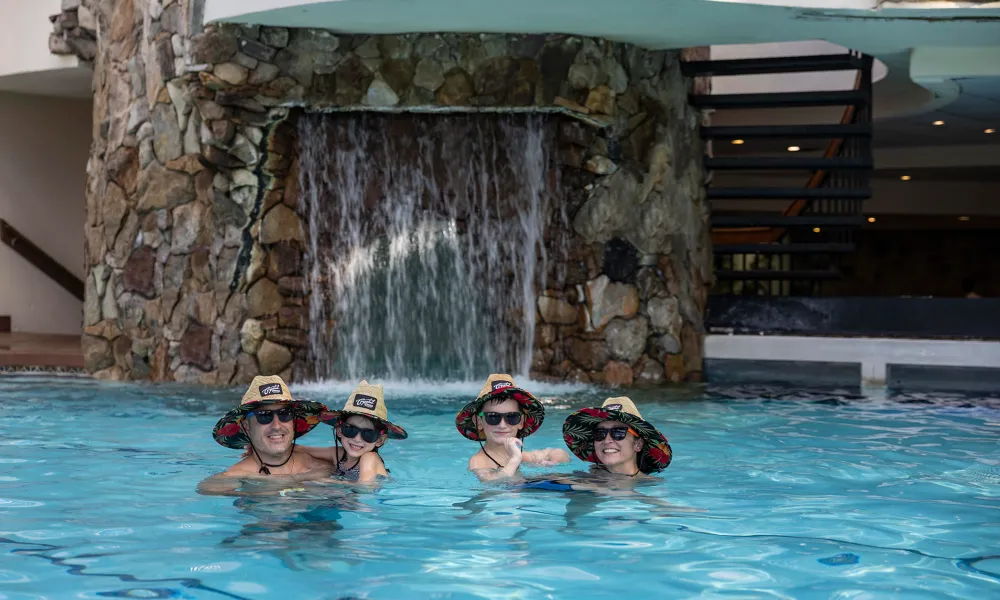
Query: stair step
{"type": "Point", "coordinates": [779, 275]}
{"type": "Point", "coordinates": [781, 64]}
{"type": "Point", "coordinates": [803, 248]}
{"type": "Point", "coordinates": [787, 193]}
{"type": "Point", "coordinates": [784, 162]}
{"type": "Point", "coordinates": [779, 99]}
{"type": "Point", "coordinates": [826, 130]}
{"type": "Point", "coordinates": [778, 220]}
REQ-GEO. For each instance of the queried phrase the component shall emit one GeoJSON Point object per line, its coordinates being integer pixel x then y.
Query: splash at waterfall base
{"type": "Point", "coordinates": [216, 242]}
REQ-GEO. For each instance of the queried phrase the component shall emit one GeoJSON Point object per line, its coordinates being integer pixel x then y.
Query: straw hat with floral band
{"type": "Point", "coordinates": [578, 433]}
{"type": "Point", "coordinates": [500, 387]}
{"type": "Point", "coordinates": [367, 400]}
{"type": "Point", "coordinates": [231, 430]}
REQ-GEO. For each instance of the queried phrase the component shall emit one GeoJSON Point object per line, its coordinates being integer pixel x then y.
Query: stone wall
{"type": "Point", "coordinates": [194, 237]}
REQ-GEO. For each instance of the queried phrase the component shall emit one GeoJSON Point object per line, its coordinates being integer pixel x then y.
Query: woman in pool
{"type": "Point", "coordinates": [617, 440]}
{"type": "Point", "coordinates": [360, 429]}
{"type": "Point", "coordinates": [499, 419]}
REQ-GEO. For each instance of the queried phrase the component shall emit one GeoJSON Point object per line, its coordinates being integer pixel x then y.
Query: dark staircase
{"type": "Point", "coordinates": [793, 251]}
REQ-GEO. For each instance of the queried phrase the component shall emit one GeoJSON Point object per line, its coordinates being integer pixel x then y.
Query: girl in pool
{"type": "Point", "coordinates": [499, 419]}
{"type": "Point", "coordinates": [617, 440]}
{"type": "Point", "coordinates": [360, 429]}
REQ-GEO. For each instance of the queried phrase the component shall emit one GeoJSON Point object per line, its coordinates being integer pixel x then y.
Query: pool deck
{"type": "Point", "coordinates": [30, 350]}
{"type": "Point", "coordinates": [960, 365]}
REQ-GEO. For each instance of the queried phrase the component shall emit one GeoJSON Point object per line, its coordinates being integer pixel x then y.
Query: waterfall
{"type": "Point", "coordinates": [426, 245]}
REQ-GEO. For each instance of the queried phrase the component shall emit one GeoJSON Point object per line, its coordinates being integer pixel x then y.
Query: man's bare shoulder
{"type": "Point", "coordinates": [247, 466]}
{"type": "Point", "coordinates": [307, 462]}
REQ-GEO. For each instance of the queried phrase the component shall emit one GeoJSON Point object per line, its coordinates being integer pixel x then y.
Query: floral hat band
{"type": "Point", "coordinates": [578, 433]}
{"type": "Point", "coordinates": [265, 390]}
{"type": "Point", "coordinates": [366, 400]}
{"type": "Point", "coordinates": [500, 387]}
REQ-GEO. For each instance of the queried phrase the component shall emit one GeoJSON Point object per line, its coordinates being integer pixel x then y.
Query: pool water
{"type": "Point", "coordinates": [799, 495]}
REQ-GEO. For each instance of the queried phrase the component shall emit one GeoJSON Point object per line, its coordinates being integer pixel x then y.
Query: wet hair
{"type": "Point", "coordinates": [496, 401]}
{"type": "Point", "coordinates": [343, 421]}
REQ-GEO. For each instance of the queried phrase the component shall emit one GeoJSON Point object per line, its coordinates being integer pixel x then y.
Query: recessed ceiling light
{"type": "Point", "coordinates": [738, 142]}
{"type": "Point", "coordinates": [938, 123]}
{"type": "Point", "coordinates": [906, 178]}
{"type": "Point", "coordinates": [963, 218]}
{"type": "Point", "coordinates": [871, 219]}
{"type": "Point", "coordinates": [990, 130]}
{"type": "Point", "coordinates": [816, 229]}
{"type": "Point", "coordinates": [794, 148]}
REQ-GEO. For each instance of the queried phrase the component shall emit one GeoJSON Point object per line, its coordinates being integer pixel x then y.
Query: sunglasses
{"type": "Point", "coordinates": [266, 416]}
{"type": "Point", "coordinates": [617, 433]}
{"type": "Point", "coordinates": [368, 435]}
{"type": "Point", "coordinates": [494, 418]}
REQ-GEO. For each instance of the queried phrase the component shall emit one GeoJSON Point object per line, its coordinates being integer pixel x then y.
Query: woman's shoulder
{"type": "Point", "coordinates": [479, 461]}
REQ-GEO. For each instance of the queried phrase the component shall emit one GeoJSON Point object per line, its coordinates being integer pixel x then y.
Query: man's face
{"type": "Point", "coordinates": [499, 432]}
{"type": "Point", "coordinates": [274, 438]}
{"type": "Point", "coordinates": [610, 451]}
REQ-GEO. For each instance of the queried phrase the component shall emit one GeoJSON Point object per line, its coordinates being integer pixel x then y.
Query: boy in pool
{"type": "Point", "coordinates": [499, 419]}
{"type": "Point", "coordinates": [362, 427]}
{"type": "Point", "coordinates": [617, 440]}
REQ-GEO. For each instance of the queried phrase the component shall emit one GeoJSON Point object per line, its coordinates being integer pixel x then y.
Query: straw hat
{"type": "Point", "coordinates": [265, 390]}
{"type": "Point", "coordinates": [500, 387]}
{"type": "Point", "coordinates": [578, 433]}
{"type": "Point", "coordinates": [366, 400]}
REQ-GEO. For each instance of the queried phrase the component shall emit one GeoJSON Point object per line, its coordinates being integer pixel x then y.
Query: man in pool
{"type": "Point", "coordinates": [266, 423]}
{"type": "Point", "coordinates": [617, 440]}
{"type": "Point", "coordinates": [502, 416]}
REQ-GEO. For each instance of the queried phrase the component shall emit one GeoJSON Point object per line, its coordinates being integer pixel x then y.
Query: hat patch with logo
{"type": "Point", "coordinates": [366, 402]}
{"type": "Point", "coordinates": [613, 406]}
{"type": "Point", "coordinates": [270, 389]}
{"type": "Point", "coordinates": [499, 385]}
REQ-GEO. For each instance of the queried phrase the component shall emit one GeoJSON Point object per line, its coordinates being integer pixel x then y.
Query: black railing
{"type": "Point", "coordinates": [793, 252]}
{"type": "Point", "coordinates": [38, 258]}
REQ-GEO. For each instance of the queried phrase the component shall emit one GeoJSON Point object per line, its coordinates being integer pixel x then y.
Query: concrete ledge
{"type": "Point", "coordinates": [873, 354]}
{"type": "Point", "coordinates": [959, 379]}
{"type": "Point", "coordinates": [788, 372]}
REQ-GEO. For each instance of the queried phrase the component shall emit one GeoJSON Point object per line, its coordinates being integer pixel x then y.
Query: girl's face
{"type": "Point", "coordinates": [494, 419]}
{"type": "Point", "coordinates": [352, 433]}
{"type": "Point", "coordinates": [612, 452]}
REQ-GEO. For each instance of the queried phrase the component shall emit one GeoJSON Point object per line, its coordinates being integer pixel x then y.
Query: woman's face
{"type": "Point", "coordinates": [611, 452]}
{"type": "Point", "coordinates": [499, 432]}
{"type": "Point", "coordinates": [351, 432]}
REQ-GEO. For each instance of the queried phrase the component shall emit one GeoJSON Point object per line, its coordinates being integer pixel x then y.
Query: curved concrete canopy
{"type": "Point", "coordinates": [650, 23]}
{"type": "Point", "coordinates": [26, 65]}
{"type": "Point", "coordinates": [870, 26]}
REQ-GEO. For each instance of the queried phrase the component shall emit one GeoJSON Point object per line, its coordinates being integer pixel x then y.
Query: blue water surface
{"type": "Point", "coordinates": [798, 495]}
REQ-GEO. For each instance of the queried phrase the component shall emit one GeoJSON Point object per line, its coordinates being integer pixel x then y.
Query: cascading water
{"type": "Point", "coordinates": [425, 242]}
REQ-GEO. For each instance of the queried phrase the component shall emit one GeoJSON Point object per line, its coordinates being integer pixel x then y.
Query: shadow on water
{"type": "Point", "coordinates": [51, 553]}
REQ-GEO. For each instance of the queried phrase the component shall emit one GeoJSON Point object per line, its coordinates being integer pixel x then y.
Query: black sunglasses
{"type": "Point", "coordinates": [369, 435]}
{"type": "Point", "coordinates": [494, 418]}
{"type": "Point", "coordinates": [266, 416]}
{"type": "Point", "coordinates": [617, 433]}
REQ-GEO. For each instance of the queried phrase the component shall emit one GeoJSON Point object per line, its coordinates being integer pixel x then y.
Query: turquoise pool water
{"type": "Point", "coordinates": [803, 495]}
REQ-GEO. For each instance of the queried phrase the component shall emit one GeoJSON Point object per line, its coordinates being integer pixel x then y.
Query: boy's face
{"type": "Point", "coordinates": [499, 432]}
